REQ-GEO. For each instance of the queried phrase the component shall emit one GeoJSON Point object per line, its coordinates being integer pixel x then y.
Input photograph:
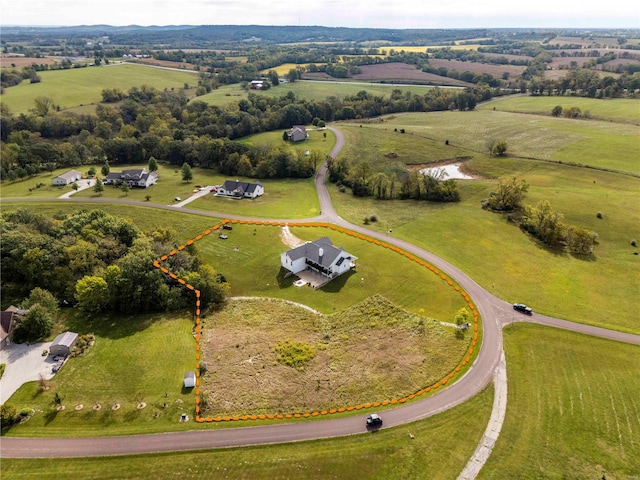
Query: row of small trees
{"type": "Point", "coordinates": [540, 220]}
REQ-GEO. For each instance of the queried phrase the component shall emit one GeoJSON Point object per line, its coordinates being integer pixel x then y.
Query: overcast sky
{"type": "Point", "coordinates": [331, 13]}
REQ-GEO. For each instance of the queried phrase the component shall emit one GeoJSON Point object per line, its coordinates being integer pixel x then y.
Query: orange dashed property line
{"type": "Point", "coordinates": [394, 401]}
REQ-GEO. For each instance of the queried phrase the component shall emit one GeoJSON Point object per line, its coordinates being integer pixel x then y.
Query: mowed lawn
{"type": "Point", "coordinates": [593, 143]}
{"type": "Point", "coordinates": [440, 448]}
{"type": "Point", "coordinates": [572, 412]}
{"type": "Point", "coordinates": [135, 359]}
{"type": "Point", "coordinates": [81, 86]}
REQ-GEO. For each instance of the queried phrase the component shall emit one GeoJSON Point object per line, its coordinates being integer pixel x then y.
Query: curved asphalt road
{"type": "Point", "coordinates": [495, 314]}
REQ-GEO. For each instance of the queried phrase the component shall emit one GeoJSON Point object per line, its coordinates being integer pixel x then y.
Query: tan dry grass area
{"type": "Point", "coordinates": [370, 352]}
{"type": "Point", "coordinates": [6, 61]}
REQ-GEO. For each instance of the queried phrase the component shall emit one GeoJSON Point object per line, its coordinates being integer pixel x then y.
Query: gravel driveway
{"type": "Point", "coordinates": [24, 363]}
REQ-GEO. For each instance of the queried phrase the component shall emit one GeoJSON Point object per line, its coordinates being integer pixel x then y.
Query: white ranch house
{"type": "Point", "coordinates": [320, 258]}
{"type": "Point", "coordinates": [298, 133]}
{"type": "Point", "coordinates": [134, 178]}
{"type": "Point", "coordinates": [237, 189]}
{"type": "Point", "coordinates": [67, 178]}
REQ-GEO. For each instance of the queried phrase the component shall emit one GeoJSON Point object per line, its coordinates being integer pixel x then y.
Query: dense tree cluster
{"type": "Point", "coordinates": [587, 83]}
{"type": "Point", "coordinates": [99, 262]}
{"type": "Point", "coordinates": [150, 123]}
{"type": "Point", "coordinates": [406, 185]}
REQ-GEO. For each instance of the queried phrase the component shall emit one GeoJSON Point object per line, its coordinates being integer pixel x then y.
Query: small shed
{"type": "Point", "coordinates": [63, 344]}
{"type": "Point", "coordinates": [190, 379]}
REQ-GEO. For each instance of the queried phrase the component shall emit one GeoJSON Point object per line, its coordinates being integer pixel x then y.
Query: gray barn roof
{"type": "Point", "coordinates": [66, 339]}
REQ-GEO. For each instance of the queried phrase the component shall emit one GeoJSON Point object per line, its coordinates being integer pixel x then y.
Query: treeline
{"type": "Point", "coordinates": [587, 83]}
{"type": "Point", "coordinates": [164, 125]}
{"type": "Point", "coordinates": [100, 263]}
{"type": "Point", "coordinates": [386, 186]}
{"type": "Point", "coordinates": [540, 220]}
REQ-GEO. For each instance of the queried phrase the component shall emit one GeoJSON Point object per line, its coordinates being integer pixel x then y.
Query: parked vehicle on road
{"type": "Point", "coordinates": [521, 307]}
{"type": "Point", "coordinates": [374, 420]}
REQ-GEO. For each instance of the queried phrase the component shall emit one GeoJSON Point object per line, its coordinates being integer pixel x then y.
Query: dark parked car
{"type": "Point", "coordinates": [374, 420]}
{"type": "Point", "coordinates": [227, 227]}
{"type": "Point", "coordinates": [521, 307]}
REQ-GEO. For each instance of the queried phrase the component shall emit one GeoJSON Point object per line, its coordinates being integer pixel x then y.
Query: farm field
{"type": "Point", "coordinates": [82, 86]}
{"type": "Point", "coordinates": [317, 141]}
{"type": "Point", "coordinates": [467, 236]}
{"type": "Point", "coordinates": [571, 413]}
{"type": "Point", "coordinates": [592, 143]}
{"type": "Point", "coordinates": [7, 61]}
{"type": "Point", "coordinates": [403, 73]}
{"type": "Point", "coordinates": [283, 69]}
{"type": "Point", "coordinates": [622, 110]}
{"type": "Point", "coordinates": [310, 90]}
{"type": "Point", "coordinates": [475, 67]}
{"type": "Point", "coordinates": [439, 450]}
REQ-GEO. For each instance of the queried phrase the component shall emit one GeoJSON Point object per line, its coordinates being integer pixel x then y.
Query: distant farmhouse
{"type": "Point", "coordinates": [134, 178]}
{"type": "Point", "coordinates": [318, 262]}
{"type": "Point", "coordinates": [257, 85]}
{"type": "Point", "coordinates": [297, 133]}
{"type": "Point", "coordinates": [237, 189]}
{"type": "Point", "coordinates": [67, 178]}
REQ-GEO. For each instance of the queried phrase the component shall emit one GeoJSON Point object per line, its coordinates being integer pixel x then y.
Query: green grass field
{"type": "Point", "coordinates": [592, 143]}
{"type": "Point", "coordinates": [82, 86]}
{"type": "Point", "coordinates": [305, 90]}
{"type": "Point", "coordinates": [134, 359]}
{"type": "Point", "coordinates": [622, 110]}
{"type": "Point", "coordinates": [573, 410]}
{"type": "Point", "coordinates": [439, 450]}
{"type": "Point", "coordinates": [512, 265]}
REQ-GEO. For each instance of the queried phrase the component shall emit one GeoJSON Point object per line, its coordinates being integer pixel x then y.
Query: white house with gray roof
{"type": "Point", "coordinates": [138, 177]}
{"type": "Point", "coordinates": [67, 178]}
{"type": "Point", "coordinates": [319, 256]}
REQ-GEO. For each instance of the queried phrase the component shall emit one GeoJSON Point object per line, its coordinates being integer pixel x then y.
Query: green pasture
{"type": "Point", "coordinates": [309, 90]}
{"type": "Point", "coordinates": [600, 290]}
{"type": "Point", "coordinates": [591, 143]}
{"type": "Point", "coordinates": [135, 359]}
{"type": "Point", "coordinates": [81, 86]}
{"type": "Point", "coordinates": [572, 413]}
{"type": "Point", "coordinates": [317, 141]}
{"type": "Point", "coordinates": [623, 110]}
{"type": "Point", "coordinates": [440, 448]}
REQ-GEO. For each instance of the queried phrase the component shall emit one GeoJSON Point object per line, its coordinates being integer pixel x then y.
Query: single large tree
{"type": "Point", "coordinates": [153, 164]}
{"type": "Point", "coordinates": [509, 194]}
{"type": "Point", "coordinates": [98, 187]}
{"type": "Point", "coordinates": [187, 173]}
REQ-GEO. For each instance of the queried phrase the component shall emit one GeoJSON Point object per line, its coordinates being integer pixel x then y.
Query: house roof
{"type": "Point", "coordinates": [71, 174]}
{"type": "Point", "coordinates": [231, 185]}
{"type": "Point", "coordinates": [311, 251]}
{"type": "Point", "coordinates": [6, 319]}
{"type": "Point", "coordinates": [113, 176]}
{"type": "Point", "coordinates": [135, 173]}
{"type": "Point", "coordinates": [67, 339]}
{"type": "Point", "coordinates": [16, 310]}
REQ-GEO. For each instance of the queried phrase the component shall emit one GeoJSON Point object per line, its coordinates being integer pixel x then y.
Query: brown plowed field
{"type": "Point", "coordinates": [20, 62]}
{"type": "Point", "coordinates": [165, 63]}
{"type": "Point", "coordinates": [403, 72]}
{"type": "Point", "coordinates": [495, 70]}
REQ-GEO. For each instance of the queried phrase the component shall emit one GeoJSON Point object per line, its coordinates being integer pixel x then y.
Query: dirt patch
{"type": "Point", "coordinates": [289, 239]}
{"type": "Point", "coordinates": [6, 61]}
{"type": "Point", "coordinates": [403, 72]}
{"type": "Point", "coordinates": [370, 352]}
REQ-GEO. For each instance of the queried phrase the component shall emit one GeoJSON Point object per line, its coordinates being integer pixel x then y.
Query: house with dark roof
{"type": "Point", "coordinates": [63, 344]}
{"type": "Point", "coordinates": [297, 133]}
{"type": "Point", "coordinates": [138, 177]}
{"type": "Point", "coordinates": [7, 322]}
{"type": "Point", "coordinates": [67, 178]}
{"type": "Point", "coordinates": [320, 257]}
{"type": "Point", "coordinates": [237, 189]}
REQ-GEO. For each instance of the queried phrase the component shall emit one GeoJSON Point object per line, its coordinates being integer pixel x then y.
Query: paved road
{"type": "Point", "coordinates": [495, 314]}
